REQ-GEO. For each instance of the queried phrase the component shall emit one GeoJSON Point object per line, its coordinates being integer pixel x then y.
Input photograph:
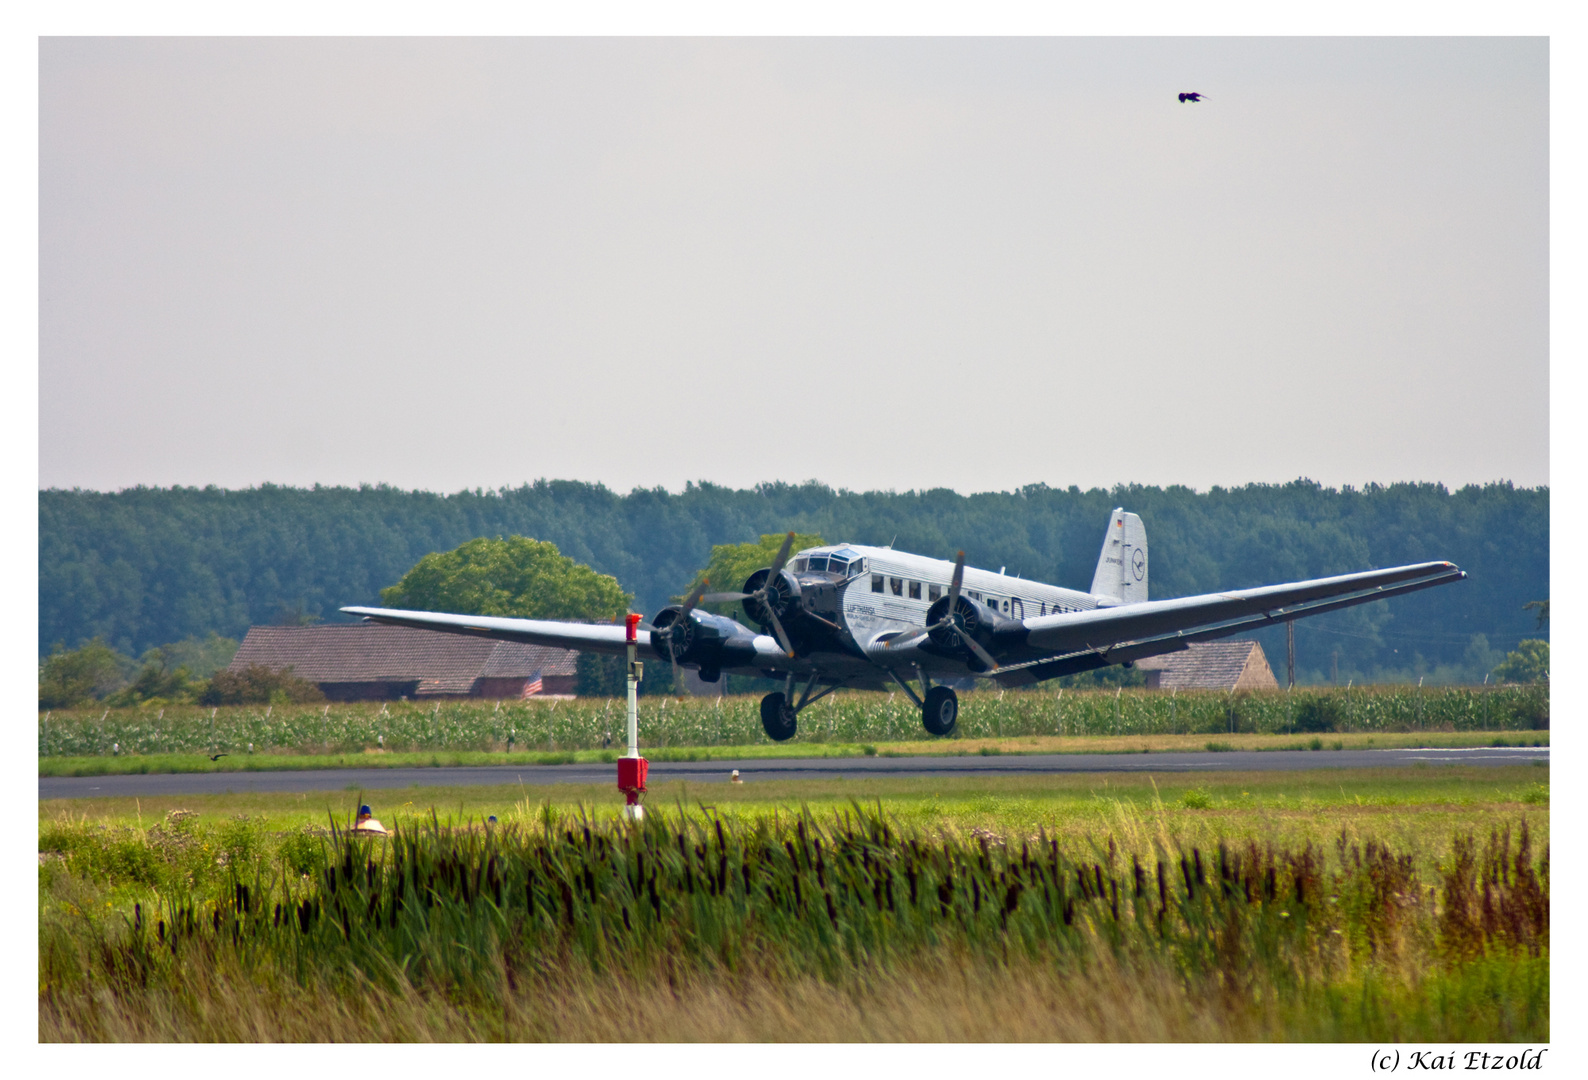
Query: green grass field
{"type": "Point", "coordinates": [1400, 803]}
{"type": "Point", "coordinates": [1406, 963]}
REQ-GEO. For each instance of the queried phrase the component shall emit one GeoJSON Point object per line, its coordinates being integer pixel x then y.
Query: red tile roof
{"type": "Point", "coordinates": [361, 652]}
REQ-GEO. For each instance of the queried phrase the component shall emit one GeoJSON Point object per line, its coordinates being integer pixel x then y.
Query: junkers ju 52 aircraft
{"type": "Point", "coordinates": [847, 615]}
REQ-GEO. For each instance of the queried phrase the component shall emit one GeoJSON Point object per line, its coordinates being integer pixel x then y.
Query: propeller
{"type": "Point", "coordinates": [763, 594]}
{"type": "Point", "coordinates": [949, 620]}
{"type": "Point", "coordinates": [690, 603]}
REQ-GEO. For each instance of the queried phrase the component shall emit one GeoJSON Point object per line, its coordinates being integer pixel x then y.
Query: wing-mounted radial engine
{"type": "Point", "coordinates": [961, 627]}
{"type": "Point", "coordinates": [972, 633]}
{"type": "Point", "coordinates": [686, 635]}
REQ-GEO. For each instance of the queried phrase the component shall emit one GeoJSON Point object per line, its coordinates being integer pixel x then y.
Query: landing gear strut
{"type": "Point", "coordinates": [780, 712]}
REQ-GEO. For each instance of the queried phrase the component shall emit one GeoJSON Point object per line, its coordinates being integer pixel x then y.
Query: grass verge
{"type": "Point", "coordinates": [706, 924]}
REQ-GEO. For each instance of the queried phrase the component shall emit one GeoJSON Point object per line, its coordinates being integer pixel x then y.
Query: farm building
{"type": "Point", "coordinates": [362, 662]}
{"type": "Point", "coordinates": [1211, 665]}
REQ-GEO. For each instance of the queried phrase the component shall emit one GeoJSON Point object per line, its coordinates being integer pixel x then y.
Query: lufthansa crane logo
{"type": "Point", "coordinates": [1138, 563]}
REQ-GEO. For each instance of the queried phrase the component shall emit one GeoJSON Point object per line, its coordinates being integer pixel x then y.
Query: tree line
{"type": "Point", "coordinates": [143, 566]}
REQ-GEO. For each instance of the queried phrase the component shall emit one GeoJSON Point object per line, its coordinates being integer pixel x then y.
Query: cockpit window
{"type": "Point", "coordinates": [817, 562]}
{"type": "Point", "coordinates": [799, 564]}
{"type": "Point", "coordinates": [835, 565]}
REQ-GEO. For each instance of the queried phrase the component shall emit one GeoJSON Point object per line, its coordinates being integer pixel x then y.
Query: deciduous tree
{"type": "Point", "coordinates": [1528, 664]}
{"type": "Point", "coordinates": [513, 576]}
{"type": "Point", "coordinates": [80, 675]}
{"type": "Point", "coordinates": [256, 685]}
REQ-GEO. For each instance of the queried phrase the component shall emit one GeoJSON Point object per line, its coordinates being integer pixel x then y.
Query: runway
{"type": "Point", "coordinates": [760, 769]}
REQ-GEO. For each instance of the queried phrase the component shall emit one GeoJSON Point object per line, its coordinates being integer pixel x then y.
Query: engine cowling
{"type": "Point", "coordinates": [701, 640]}
{"type": "Point", "coordinates": [972, 618]}
{"type": "Point", "coordinates": [783, 596]}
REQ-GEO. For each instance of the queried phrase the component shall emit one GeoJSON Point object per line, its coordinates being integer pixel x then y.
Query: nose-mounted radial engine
{"type": "Point", "coordinates": [770, 596]}
{"type": "Point", "coordinates": [772, 600]}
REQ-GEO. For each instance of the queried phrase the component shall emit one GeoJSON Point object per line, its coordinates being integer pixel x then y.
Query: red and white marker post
{"type": "Point", "coordinates": [631, 767]}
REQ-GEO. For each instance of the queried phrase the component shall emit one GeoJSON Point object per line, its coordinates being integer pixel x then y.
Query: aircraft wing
{"type": "Point", "coordinates": [1082, 640]}
{"type": "Point", "coordinates": [590, 637]}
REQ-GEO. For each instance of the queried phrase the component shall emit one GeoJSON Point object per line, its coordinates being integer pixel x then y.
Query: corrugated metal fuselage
{"type": "Point", "coordinates": [847, 616]}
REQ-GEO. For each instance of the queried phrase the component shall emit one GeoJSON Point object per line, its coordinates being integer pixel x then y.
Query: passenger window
{"type": "Point", "coordinates": [897, 585]}
{"type": "Point", "coordinates": [915, 590]}
{"type": "Point", "coordinates": [876, 582]}
{"type": "Point", "coordinates": [934, 591]}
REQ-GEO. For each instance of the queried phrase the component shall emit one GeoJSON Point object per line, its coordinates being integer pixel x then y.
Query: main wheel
{"type": "Point", "coordinates": [941, 711]}
{"type": "Point", "coordinates": [778, 718]}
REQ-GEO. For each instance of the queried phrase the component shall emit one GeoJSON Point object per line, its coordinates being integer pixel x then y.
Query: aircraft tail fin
{"type": "Point", "coordinates": [1122, 566]}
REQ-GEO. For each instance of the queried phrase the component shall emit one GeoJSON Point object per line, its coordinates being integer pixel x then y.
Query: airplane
{"type": "Point", "coordinates": [849, 615]}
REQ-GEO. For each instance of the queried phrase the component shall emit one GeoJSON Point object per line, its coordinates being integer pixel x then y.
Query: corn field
{"type": "Point", "coordinates": [471, 911]}
{"type": "Point", "coordinates": [844, 717]}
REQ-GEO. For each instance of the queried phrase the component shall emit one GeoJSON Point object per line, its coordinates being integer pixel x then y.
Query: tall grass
{"type": "Point", "coordinates": [1237, 940]}
{"type": "Point", "coordinates": [842, 717]}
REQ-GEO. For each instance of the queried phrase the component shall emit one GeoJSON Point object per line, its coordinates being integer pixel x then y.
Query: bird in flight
{"type": "Point", "coordinates": [1189, 97]}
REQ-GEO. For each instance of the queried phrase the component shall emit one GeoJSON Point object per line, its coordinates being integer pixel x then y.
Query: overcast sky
{"type": "Point", "coordinates": [971, 263]}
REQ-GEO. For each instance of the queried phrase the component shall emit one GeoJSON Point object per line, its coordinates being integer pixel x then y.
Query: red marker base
{"type": "Point", "coordinates": [632, 772]}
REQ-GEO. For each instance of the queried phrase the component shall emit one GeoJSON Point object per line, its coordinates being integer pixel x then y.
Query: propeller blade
{"type": "Point", "coordinates": [910, 635]}
{"type": "Point", "coordinates": [724, 597]}
{"type": "Point", "coordinates": [777, 627]}
{"type": "Point", "coordinates": [953, 588]}
{"type": "Point", "coordinates": [981, 654]}
{"type": "Point", "coordinates": [693, 599]}
{"type": "Point", "coordinates": [782, 557]}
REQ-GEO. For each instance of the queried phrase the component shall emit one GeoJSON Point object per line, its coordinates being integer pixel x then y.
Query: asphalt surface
{"type": "Point", "coordinates": [750, 771]}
